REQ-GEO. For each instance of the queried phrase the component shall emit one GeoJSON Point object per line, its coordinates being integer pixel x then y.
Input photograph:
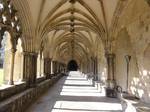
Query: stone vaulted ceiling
{"type": "Point", "coordinates": [66, 29]}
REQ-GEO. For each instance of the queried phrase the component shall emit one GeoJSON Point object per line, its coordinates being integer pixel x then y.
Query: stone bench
{"type": "Point", "coordinates": [131, 103]}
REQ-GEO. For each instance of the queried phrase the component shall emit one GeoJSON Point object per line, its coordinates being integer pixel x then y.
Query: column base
{"type": "Point", "coordinates": [10, 82]}
{"type": "Point", "coordinates": [110, 84]}
{"type": "Point", "coordinates": [95, 78]}
{"type": "Point", "coordinates": [111, 89]}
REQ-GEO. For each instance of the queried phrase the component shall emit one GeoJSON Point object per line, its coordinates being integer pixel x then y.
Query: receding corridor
{"type": "Point", "coordinates": [107, 43]}
{"type": "Point", "coordinates": [74, 93]}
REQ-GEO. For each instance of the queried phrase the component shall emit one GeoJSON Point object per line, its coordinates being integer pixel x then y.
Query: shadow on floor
{"type": "Point", "coordinates": [74, 93]}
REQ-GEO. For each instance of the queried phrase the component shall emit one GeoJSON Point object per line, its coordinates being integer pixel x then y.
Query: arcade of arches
{"type": "Point", "coordinates": [108, 40]}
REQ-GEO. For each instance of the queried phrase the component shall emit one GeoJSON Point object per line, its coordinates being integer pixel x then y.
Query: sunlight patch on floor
{"type": "Point", "coordinates": [78, 85]}
{"type": "Point", "coordinates": [81, 91]}
{"type": "Point", "coordinates": [71, 106]}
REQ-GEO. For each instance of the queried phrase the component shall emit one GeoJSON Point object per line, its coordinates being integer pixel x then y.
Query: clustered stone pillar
{"type": "Point", "coordinates": [91, 65]}
{"type": "Point", "coordinates": [30, 68]}
{"type": "Point", "coordinates": [87, 68]}
{"type": "Point", "coordinates": [110, 63]}
{"type": "Point", "coordinates": [47, 67]}
{"type": "Point", "coordinates": [94, 67]}
{"type": "Point", "coordinates": [110, 77]}
{"type": "Point", "coordinates": [55, 67]}
{"type": "Point", "coordinates": [11, 81]}
{"type": "Point", "coordinates": [95, 61]}
{"type": "Point", "coordinates": [40, 64]}
{"type": "Point", "coordinates": [52, 68]}
{"type": "Point", "coordinates": [61, 68]}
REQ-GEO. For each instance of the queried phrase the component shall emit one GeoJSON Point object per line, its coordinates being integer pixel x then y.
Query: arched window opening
{"type": "Point", "coordinates": [72, 66]}
{"type": "Point", "coordinates": [5, 58]}
{"type": "Point", "coordinates": [2, 55]}
{"type": "Point", "coordinates": [18, 64]}
{"type": "Point", "coordinates": [40, 65]}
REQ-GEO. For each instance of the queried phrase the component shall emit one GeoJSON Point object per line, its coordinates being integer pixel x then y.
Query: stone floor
{"type": "Point", "coordinates": [74, 93]}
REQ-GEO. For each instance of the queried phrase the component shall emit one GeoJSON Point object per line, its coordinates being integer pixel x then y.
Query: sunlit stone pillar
{"type": "Point", "coordinates": [30, 68]}
{"type": "Point", "coordinates": [40, 65]}
{"type": "Point", "coordinates": [52, 67]}
{"type": "Point", "coordinates": [11, 81]}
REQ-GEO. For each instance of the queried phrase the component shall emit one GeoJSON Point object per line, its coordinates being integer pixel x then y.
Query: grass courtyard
{"type": "Point", "coordinates": [1, 76]}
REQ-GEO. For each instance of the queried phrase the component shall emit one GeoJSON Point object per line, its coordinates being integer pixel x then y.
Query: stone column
{"type": "Point", "coordinates": [95, 68]}
{"type": "Point", "coordinates": [30, 68]}
{"type": "Point", "coordinates": [110, 87]}
{"type": "Point", "coordinates": [92, 65]}
{"type": "Point", "coordinates": [11, 81]}
{"type": "Point", "coordinates": [46, 67]}
{"type": "Point", "coordinates": [57, 67]}
{"type": "Point", "coordinates": [52, 67]}
{"type": "Point", "coordinates": [40, 64]}
{"type": "Point", "coordinates": [110, 65]}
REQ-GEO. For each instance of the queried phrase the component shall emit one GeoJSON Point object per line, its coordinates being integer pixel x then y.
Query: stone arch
{"type": "Point", "coordinates": [18, 64]}
{"type": "Point", "coordinates": [72, 65]}
{"type": "Point", "coordinates": [124, 48]}
{"type": "Point", "coordinates": [40, 64]}
{"type": "Point", "coordinates": [7, 54]}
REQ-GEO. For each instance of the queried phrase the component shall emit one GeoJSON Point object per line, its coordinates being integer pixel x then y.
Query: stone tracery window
{"type": "Point", "coordinates": [10, 31]}
{"type": "Point", "coordinates": [40, 65]}
{"type": "Point", "coordinates": [5, 60]}
{"type": "Point", "coordinates": [18, 65]}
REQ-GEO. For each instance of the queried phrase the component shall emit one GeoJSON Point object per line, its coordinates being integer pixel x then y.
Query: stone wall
{"type": "Point", "coordinates": [137, 46]}
{"type": "Point", "coordinates": [19, 102]}
{"type": "Point", "coordinates": [134, 39]}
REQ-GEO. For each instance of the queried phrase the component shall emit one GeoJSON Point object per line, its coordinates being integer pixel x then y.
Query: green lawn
{"type": "Point", "coordinates": [1, 76]}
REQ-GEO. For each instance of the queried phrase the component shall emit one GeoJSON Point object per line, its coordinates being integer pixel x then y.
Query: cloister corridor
{"type": "Point", "coordinates": [74, 93]}
{"type": "Point", "coordinates": [105, 44]}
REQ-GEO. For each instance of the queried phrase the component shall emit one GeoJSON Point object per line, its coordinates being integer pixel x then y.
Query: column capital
{"type": "Point", "coordinates": [110, 55]}
{"type": "Point", "coordinates": [47, 58]}
{"type": "Point", "coordinates": [30, 53]}
{"type": "Point", "coordinates": [13, 50]}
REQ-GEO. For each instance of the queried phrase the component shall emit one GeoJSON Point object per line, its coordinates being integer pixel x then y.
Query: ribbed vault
{"type": "Point", "coordinates": [66, 29]}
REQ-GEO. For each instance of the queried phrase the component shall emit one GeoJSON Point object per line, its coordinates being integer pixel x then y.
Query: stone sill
{"type": "Point", "coordinates": [19, 102]}
{"type": "Point", "coordinates": [6, 86]}
{"type": "Point", "coordinates": [131, 102]}
{"type": "Point", "coordinates": [9, 90]}
{"type": "Point", "coordinates": [40, 79]}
